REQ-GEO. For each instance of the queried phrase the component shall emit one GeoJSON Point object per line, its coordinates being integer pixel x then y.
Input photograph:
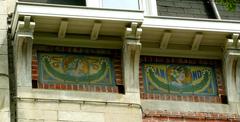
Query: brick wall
{"type": "Point", "coordinates": [115, 55]}
{"type": "Point", "coordinates": [163, 116]}
{"type": "Point", "coordinates": [191, 98]}
{"type": "Point", "coordinates": [185, 8]}
{"type": "Point", "coordinates": [230, 15]}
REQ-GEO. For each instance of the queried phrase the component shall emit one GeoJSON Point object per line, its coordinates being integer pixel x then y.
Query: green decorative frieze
{"type": "Point", "coordinates": [64, 68]}
{"type": "Point", "coordinates": [179, 79]}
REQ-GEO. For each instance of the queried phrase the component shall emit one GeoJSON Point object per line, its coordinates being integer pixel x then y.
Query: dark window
{"type": "Point", "coordinates": [62, 2]}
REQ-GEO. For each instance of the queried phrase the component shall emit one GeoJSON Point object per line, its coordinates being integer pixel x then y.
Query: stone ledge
{"type": "Point", "coordinates": [28, 92]}
{"type": "Point", "coordinates": [176, 106]}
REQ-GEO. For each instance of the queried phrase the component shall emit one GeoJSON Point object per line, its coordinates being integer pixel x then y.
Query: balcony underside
{"type": "Point", "coordinates": [104, 28]}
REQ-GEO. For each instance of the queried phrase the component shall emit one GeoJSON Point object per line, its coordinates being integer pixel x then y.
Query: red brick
{"type": "Point", "coordinates": [34, 62]}
{"type": "Point", "coordinates": [34, 71]}
{"type": "Point", "coordinates": [80, 87]}
{"type": "Point", "coordinates": [40, 85]}
{"type": "Point", "coordinates": [115, 89]}
{"type": "Point", "coordinates": [58, 86]}
{"type": "Point", "coordinates": [109, 89]}
{"type": "Point", "coordinates": [34, 66]}
{"type": "Point", "coordinates": [75, 87]}
{"type": "Point", "coordinates": [98, 89]}
{"type": "Point", "coordinates": [34, 77]}
{"type": "Point", "coordinates": [52, 86]}
{"type": "Point", "coordinates": [104, 89]}
{"type": "Point", "coordinates": [63, 86]}
{"type": "Point", "coordinates": [46, 86]}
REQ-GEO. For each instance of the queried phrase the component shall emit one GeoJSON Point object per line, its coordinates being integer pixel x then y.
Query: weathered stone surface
{"type": "Point", "coordinates": [3, 49]}
{"type": "Point", "coordinates": [4, 82]}
{"type": "Point", "coordinates": [37, 105]}
{"type": "Point", "coordinates": [112, 117]}
{"type": "Point", "coordinates": [37, 114]}
{"type": "Point", "coordinates": [3, 8]}
{"type": "Point", "coordinates": [30, 120]}
{"type": "Point", "coordinates": [3, 36]}
{"type": "Point", "coordinates": [176, 106]}
{"type": "Point", "coordinates": [4, 100]}
{"type": "Point", "coordinates": [80, 116]}
{"type": "Point", "coordinates": [3, 20]}
{"type": "Point", "coordinates": [69, 106]}
{"type": "Point", "coordinates": [4, 64]}
{"type": "Point", "coordinates": [10, 6]}
{"type": "Point", "coordinates": [4, 116]}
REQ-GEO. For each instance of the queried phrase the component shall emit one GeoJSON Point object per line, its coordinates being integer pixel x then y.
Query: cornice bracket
{"type": "Point", "coordinates": [133, 32]}
{"type": "Point", "coordinates": [233, 42]}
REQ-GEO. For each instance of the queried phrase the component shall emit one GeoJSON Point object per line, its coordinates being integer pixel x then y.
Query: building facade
{"type": "Point", "coordinates": [119, 61]}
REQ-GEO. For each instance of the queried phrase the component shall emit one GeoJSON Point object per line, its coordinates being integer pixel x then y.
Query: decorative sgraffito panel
{"type": "Point", "coordinates": [179, 79]}
{"type": "Point", "coordinates": [63, 68]}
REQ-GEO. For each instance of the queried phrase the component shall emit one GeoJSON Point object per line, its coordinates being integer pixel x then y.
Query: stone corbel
{"type": "Point", "coordinates": [131, 55]}
{"type": "Point", "coordinates": [23, 41]}
{"type": "Point", "coordinates": [233, 42]}
{"type": "Point", "coordinates": [231, 68]}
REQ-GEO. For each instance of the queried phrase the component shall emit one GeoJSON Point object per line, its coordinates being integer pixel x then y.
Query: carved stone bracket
{"type": "Point", "coordinates": [231, 73]}
{"type": "Point", "coordinates": [23, 41]}
{"type": "Point", "coordinates": [131, 55]}
{"type": "Point", "coordinates": [231, 68]}
{"type": "Point", "coordinates": [233, 42]}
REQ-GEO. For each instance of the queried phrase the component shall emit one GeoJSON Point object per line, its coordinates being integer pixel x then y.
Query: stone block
{"type": "Point", "coordinates": [4, 100]}
{"type": "Point", "coordinates": [120, 109]}
{"type": "Point", "coordinates": [94, 107]}
{"type": "Point", "coordinates": [10, 5]}
{"type": "Point", "coordinates": [3, 8]}
{"type": "Point", "coordinates": [30, 120]}
{"type": "Point", "coordinates": [80, 116]}
{"type": "Point", "coordinates": [123, 117]}
{"type": "Point", "coordinates": [69, 106]}
{"type": "Point", "coordinates": [4, 64]}
{"type": "Point", "coordinates": [3, 20]}
{"type": "Point", "coordinates": [37, 105]}
{"type": "Point", "coordinates": [37, 114]}
{"type": "Point", "coordinates": [4, 116]}
{"type": "Point", "coordinates": [4, 82]}
{"type": "Point", "coordinates": [3, 37]}
{"type": "Point", "coordinates": [3, 49]}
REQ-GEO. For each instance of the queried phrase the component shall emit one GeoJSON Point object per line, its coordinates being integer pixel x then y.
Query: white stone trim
{"type": "Point", "coordinates": [191, 24]}
{"type": "Point", "coordinates": [149, 7]}
{"type": "Point", "coordinates": [94, 3]}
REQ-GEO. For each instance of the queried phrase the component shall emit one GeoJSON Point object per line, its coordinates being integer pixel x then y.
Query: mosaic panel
{"type": "Point", "coordinates": [62, 68]}
{"type": "Point", "coordinates": [179, 79]}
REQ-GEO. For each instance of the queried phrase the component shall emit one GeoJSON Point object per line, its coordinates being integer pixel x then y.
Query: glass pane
{"type": "Point", "coordinates": [121, 4]}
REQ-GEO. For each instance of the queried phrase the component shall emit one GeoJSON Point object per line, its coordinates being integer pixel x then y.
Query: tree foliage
{"type": "Point", "coordinates": [229, 4]}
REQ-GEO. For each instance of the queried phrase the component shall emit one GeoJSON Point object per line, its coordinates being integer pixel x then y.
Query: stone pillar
{"type": "Point", "coordinates": [4, 77]}
{"type": "Point", "coordinates": [231, 70]}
